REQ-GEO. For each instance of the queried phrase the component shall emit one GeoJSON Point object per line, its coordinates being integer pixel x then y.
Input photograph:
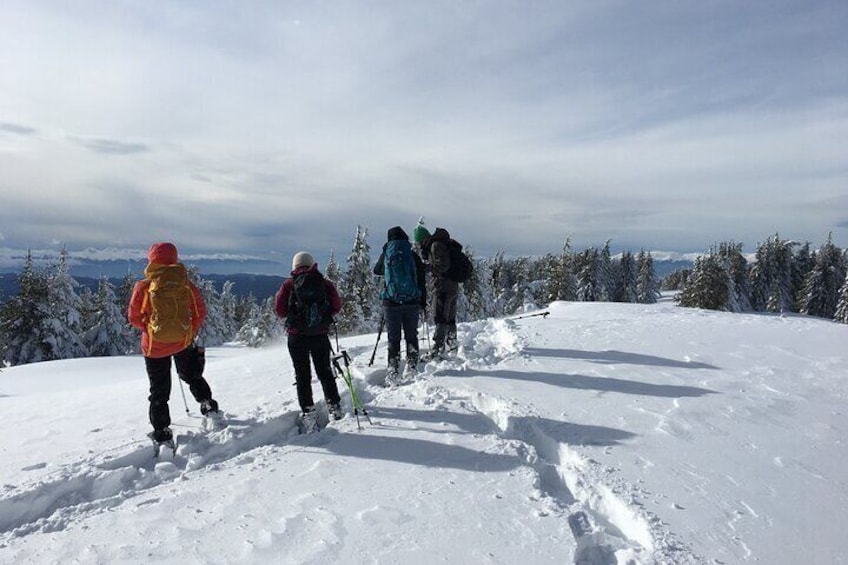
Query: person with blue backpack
{"type": "Point", "coordinates": [404, 295]}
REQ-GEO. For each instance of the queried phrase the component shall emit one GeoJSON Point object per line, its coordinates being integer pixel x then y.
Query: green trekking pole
{"type": "Point", "coordinates": [355, 401]}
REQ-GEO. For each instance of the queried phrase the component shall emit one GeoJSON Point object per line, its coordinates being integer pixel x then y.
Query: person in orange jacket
{"type": "Point", "coordinates": [160, 343]}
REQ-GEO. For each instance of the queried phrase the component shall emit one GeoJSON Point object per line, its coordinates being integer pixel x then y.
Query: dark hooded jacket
{"type": "Point", "coordinates": [436, 250]}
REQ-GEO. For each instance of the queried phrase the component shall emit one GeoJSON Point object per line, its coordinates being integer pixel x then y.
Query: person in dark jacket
{"type": "Point", "coordinates": [401, 314]}
{"type": "Point", "coordinates": [436, 251]}
{"type": "Point", "coordinates": [304, 343]}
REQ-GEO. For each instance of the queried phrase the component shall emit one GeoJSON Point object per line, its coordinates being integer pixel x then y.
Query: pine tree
{"type": "Point", "coordinates": [477, 289]}
{"type": "Point", "coordinates": [842, 306]}
{"type": "Point", "coordinates": [707, 287]}
{"type": "Point", "coordinates": [360, 299]}
{"type": "Point", "coordinates": [588, 287]}
{"type": "Point", "coordinates": [606, 274]}
{"type": "Point", "coordinates": [772, 276]}
{"type": "Point", "coordinates": [647, 285]}
{"type": "Point", "coordinates": [23, 318]}
{"type": "Point", "coordinates": [262, 326]}
{"type": "Point", "coordinates": [802, 263]}
{"type": "Point", "coordinates": [333, 272]}
{"type": "Point", "coordinates": [567, 283]}
{"type": "Point", "coordinates": [123, 296]}
{"type": "Point", "coordinates": [106, 331]}
{"type": "Point", "coordinates": [64, 339]}
{"type": "Point", "coordinates": [730, 257]}
{"type": "Point", "coordinates": [822, 284]}
{"type": "Point", "coordinates": [215, 328]}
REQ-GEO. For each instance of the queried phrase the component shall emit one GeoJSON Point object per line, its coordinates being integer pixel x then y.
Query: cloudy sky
{"type": "Point", "coordinates": [263, 127]}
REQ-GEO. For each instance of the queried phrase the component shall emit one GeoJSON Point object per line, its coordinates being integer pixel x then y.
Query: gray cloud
{"type": "Point", "coordinates": [284, 126]}
{"type": "Point", "coordinates": [111, 146]}
{"type": "Point", "coordinates": [17, 129]}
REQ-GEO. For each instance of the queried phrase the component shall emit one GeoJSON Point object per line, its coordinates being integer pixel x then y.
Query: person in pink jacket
{"type": "Point", "coordinates": [158, 352]}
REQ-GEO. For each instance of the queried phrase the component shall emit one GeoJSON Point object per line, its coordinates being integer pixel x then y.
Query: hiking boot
{"type": "Point", "coordinates": [207, 406]}
{"type": "Point", "coordinates": [163, 435]}
{"type": "Point", "coordinates": [309, 420]}
{"type": "Point", "coordinates": [393, 370]}
{"type": "Point", "coordinates": [335, 410]}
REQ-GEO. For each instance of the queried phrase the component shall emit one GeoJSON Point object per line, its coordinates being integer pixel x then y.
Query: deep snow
{"type": "Point", "coordinates": [604, 433]}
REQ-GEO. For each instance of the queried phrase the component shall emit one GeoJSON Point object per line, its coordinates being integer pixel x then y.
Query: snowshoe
{"type": "Point", "coordinates": [309, 421]}
{"type": "Point", "coordinates": [335, 411]}
{"type": "Point", "coordinates": [163, 438]}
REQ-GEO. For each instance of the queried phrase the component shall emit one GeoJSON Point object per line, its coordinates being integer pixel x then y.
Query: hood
{"type": "Point", "coordinates": [441, 233]}
{"type": "Point", "coordinates": [396, 233]}
{"type": "Point", "coordinates": [162, 253]}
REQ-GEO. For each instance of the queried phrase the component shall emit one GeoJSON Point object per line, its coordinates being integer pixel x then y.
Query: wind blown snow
{"type": "Point", "coordinates": [600, 434]}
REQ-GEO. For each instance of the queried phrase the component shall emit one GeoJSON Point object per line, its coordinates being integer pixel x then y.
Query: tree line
{"type": "Point", "coordinates": [785, 276]}
{"type": "Point", "coordinates": [52, 318]}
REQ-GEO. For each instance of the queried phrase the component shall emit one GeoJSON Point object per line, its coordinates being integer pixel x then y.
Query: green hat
{"type": "Point", "coordinates": [420, 233]}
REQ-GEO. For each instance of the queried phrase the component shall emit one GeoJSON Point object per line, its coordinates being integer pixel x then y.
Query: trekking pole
{"type": "Point", "coordinates": [379, 333]}
{"type": "Point", "coordinates": [427, 332]}
{"type": "Point", "coordinates": [182, 390]}
{"type": "Point", "coordinates": [355, 401]}
{"type": "Point", "coordinates": [542, 314]}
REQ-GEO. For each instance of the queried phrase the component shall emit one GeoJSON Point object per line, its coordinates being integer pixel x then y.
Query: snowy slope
{"type": "Point", "coordinates": [602, 434]}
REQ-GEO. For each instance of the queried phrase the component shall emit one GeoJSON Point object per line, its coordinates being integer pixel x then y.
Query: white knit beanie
{"type": "Point", "coordinates": [302, 259]}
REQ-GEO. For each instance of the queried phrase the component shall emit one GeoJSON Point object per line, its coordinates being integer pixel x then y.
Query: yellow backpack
{"type": "Point", "coordinates": [168, 302]}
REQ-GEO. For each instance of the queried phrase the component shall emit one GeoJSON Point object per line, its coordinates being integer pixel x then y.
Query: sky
{"type": "Point", "coordinates": [603, 434]}
{"type": "Point", "coordinates": [264, 128]}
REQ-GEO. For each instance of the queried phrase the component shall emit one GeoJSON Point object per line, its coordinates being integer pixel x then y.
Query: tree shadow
{"type": "Point", "coordinates": [517, 426]}
{"type": "Point", "coordinates": [584, 382]}
{"type": "Point", "coordinates": [418, 452]}
{"type": "Point", "coordinates": [612, 356]}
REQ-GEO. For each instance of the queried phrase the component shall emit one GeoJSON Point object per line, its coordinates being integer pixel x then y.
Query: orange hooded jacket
{"type": "Point", "coordinates": [161, 254]}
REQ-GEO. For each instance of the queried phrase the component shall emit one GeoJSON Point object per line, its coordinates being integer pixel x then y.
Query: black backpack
{"type": "Point", "coordinates": [460, 265]}
{"type": "Point", "coordinates": [310, 312]}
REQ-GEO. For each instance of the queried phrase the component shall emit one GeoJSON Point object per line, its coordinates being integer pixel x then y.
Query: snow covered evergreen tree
{"type": "Point", "coordinates": [106, 330]}
{"type": "Point", "coordinates": [477, 290]}
{"type": "Point", "coordinates": [262, 326]}
{"type": "Point", "coordinates": [622, 281]}
{"type": "Point", "coordinates": [822, 284]}
{"type": "Point", "coordinates": [564, 283]}
{"type": "Point", "coordinates": [216, 328]}
{"type": "Point", "coordinates": [771, 277]}
{"type": "Point", "coordinates": [647, 285]}
{"type": "Point", "coordinates": [802, 264]}
{"type": "Point", "coordinates": [23, 318]}
{"type": "Point", "coordinates": [606, 274]}
{"type": "Point", "coordinates": [64, 338]}
{"type": "Point", "coordinates": [707, 287]}
{"type": "Point", "coordinates": [730, 257]}
{"type": "Point", "coordinates": [587, 266]}
{"type": "Point", "coordinates": [359, 294]}
{"type": "Point", "coordinates": [332, 272]}
{"type": "Point", "coordinates": [841, 315]}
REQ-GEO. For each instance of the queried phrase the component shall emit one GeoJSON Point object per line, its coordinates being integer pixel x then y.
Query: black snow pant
{"type": "Point", "coordinates": [190, 371]}
{"type": "Point", "coordinates": [301, 348]}
{"type": "Point", "coordinates": [401, 318]}
{"type": "Point", "coordinates": [444, 311]}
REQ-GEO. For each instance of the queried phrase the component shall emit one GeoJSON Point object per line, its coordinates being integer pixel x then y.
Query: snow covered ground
{"type": "Point", "coordinates": [602, 434]}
